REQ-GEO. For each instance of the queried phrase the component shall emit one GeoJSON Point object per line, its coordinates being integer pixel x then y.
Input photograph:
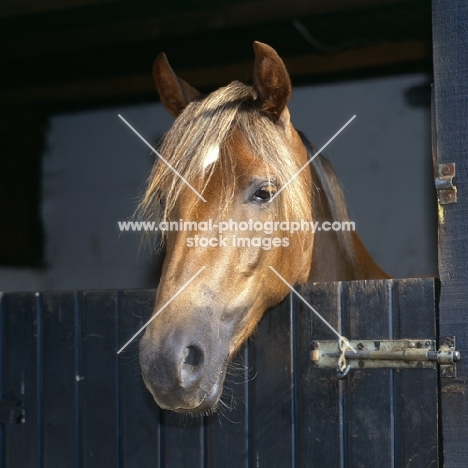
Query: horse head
{"type": "Point", "coordinates": [231, 157]}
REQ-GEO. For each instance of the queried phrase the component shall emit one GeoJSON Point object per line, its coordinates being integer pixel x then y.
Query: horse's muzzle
{"type": "Point", "coordinates": [183, 373]}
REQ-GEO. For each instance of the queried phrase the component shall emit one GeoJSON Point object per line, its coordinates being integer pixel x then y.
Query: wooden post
{"type": "Point", "coordinates": [450, 38]}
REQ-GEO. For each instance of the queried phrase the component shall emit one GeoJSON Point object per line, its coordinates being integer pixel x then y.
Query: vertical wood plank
{"type": "Point", "coordinates": [140, 416]}
{"type": "Point", "coordinates": [23, 442]}
{"type": "Point", "coordinates": [450, 42]}
{"type": "Point", "coordinates": [370, 314]}
{"type": "Point", "coordinates": [100, 379]}
{"type": "Point", "coordinates": [320, 419]}
{"type": "Point", "coordinates": [273, 408]}
{"type": "Point", "coordinates": [60, 382]}
{"type": "Point", "coordinates": [416, 418]}
{"type": "Point", "coordinates": [227, 432]}
{"type": "Point", "coordinates": [183, 440]}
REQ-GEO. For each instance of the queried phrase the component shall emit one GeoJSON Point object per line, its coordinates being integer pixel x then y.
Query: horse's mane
{"type": "Point", "coordinates": [328, 190]}
{"type": "Point", "coordinates": [208, 123]}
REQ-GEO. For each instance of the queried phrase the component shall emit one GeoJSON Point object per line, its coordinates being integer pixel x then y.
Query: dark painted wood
{"type": "Point", "coordinates": [87, 407]}
{"type": "Point", "coordinates": [183, 440]}
{"type": "Point", "coordinates": [416, 389]}
{"type": "Point", "coordinates": [139, 417]}
{"type": "Point", "coordinates": [450, 42]}
{"type": "Point", "coordinates": [60, 386]}
{"type": "Point", "coordinates": [376, 417]}
{"type": "Point", "coordinates": [228, 431]}
{"type": "Point", "coordinates": [319, 408]}
{"type": "Point", "coordinates": [21, 378]}
{"type": "Point", "coordinates": [369, 310]}
{"type": "Point", "coordinates": [99, 379]}
{"type": "Point", "coordinates": [272, 405]}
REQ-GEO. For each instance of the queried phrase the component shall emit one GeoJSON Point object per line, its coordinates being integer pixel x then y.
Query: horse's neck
{"type": "Point", "coordinates": [330, 261]}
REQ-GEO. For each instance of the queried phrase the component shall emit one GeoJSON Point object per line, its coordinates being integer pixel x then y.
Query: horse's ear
{"type": "Point", "coordinates": [271, 80]}
{"type": "Point", "coordinates": [174, 92]}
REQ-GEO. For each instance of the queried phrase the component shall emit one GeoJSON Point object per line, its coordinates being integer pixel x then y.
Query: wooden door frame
{"type": "Point", "coordinates": [450, 49]}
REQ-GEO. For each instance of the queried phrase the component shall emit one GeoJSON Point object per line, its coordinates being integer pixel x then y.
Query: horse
{"type": "Point", "coordinates": [234, 157]}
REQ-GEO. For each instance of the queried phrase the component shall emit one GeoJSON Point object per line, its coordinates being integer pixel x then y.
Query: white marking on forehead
{"type": "Point", "coordinates": [211, 156]}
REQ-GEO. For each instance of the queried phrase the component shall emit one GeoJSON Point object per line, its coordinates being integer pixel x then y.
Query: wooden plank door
{"type": "Point", "coordinates": [85, 406]}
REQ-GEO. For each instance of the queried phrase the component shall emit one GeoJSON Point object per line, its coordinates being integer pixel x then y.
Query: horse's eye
{"type": "Point", "coordinates": [265, 193]}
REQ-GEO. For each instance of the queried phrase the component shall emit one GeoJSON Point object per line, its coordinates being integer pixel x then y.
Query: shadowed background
{"type": "Point", "coordinates": [70, 169]}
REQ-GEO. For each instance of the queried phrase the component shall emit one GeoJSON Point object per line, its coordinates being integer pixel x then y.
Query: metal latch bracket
{"type": "Point", "coordinates": [446, 191]}
{"type": "Point", "coordinates": [386, 354]}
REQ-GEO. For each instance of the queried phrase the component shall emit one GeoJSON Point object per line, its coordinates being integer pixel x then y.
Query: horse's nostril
{"type": "Point", "coordinates": [193, 356]}
{"type": "Point", "coordinates": [192, 366]}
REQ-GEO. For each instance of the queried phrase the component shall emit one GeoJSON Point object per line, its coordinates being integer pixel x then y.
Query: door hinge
{"type": "Point", "coordinates": [385, 354]}
{"type": "Point", "coordinates": [11, 412]}
{"type": "Point", "coordinates": [446, 191]}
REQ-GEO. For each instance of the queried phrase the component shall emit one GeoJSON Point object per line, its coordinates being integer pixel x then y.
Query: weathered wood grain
{"type": "Point", "coordinates": [450, 42]}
